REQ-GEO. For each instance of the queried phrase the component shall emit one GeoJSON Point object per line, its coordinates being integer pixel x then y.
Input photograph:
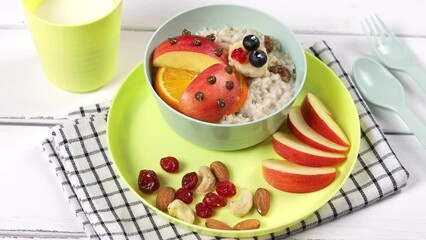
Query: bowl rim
{"type": "Point", "coordinates": [147, 57]}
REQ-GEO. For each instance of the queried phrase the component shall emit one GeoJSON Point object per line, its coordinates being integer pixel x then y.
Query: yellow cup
{"type": "Point", "coordinates": [80, 57]}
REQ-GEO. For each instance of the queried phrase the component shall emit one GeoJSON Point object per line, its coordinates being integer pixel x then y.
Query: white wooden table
{"type": "Point", "coordinates": [31, 200]}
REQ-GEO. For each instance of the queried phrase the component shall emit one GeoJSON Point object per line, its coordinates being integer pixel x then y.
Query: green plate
{"type": "Point", "coordinates": [138, 138]}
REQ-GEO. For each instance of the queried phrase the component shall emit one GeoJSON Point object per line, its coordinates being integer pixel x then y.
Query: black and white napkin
{"type": "Point", "coordinates": [107, 209]}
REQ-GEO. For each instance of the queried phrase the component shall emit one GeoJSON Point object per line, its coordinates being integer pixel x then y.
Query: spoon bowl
{"type": "Point", "coordinates": [377, 84]}
{"type": "Point", "coordinates": [379, 87]}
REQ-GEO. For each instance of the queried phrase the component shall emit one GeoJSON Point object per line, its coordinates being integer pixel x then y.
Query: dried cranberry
{"type": "Point", "coordinates": [239, 55]}
{"type": "Point", "coordinates": [185, 195]}
{"type": "Point", "coordinates": [189, 180]}
{"type": "Point", "coordinates": [148, 181]}
{"type": "Point", "coordinates": [226, 189]}
{"type": "Point", "coordinates": [202, 210]}
{"type": "Point", "coordinates": [169, 164]}
{"type": "Point", "coordinates": [214, 200]}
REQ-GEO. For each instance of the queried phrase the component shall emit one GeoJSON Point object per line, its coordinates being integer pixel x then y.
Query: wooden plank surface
{"type": "Point", "coordinates": [32, 203]}
{"type": "Point", "coordinates": [33, 95]}
{"type": "Point", "coordinates": [307, 16]}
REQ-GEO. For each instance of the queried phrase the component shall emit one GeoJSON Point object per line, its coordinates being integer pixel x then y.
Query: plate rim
{"type": "Point", "coordinates": [233, 233]}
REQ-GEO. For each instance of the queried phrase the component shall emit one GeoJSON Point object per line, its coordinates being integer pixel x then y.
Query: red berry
{"type": "Point", "coordinates": [202, 210]}
{"type": "Point", "coordinates": [189, 180]}
{"type": "Point", "coordinates": [185, 195]}
{"type": "Point", "coordinates": [214, 200]}
{"type": "Point", "coordinates": [239, 55]}
{"type": "Point", "coordinates": [148, 181]}
{"type": "Point", "coordinates": [169, 164]}
{"type": "Point", "coordinates": [226, 189]}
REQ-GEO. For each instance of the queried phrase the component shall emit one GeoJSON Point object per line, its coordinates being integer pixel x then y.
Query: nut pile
{"type": "Point", "coordinates": [214, 184]}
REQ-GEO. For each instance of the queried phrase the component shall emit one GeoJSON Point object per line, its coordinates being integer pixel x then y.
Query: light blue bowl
{"type": "Point", "coordinates": [215, 136]}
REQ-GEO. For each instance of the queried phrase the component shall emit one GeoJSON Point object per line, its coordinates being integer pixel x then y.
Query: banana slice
{"type": "Point", "coordinates": [246, 68]}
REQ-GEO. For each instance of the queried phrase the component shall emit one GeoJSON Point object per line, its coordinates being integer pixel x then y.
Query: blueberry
{"type": "Point", "coordinates": [251, 42]}
{"type": "Point", "coordinates": [258, 58]}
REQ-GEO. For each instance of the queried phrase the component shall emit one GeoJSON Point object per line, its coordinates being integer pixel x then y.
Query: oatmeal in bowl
{"type": "Point", "coordinates": [222, 82]}
{"type": "Point", "coordinates": [270, 84]}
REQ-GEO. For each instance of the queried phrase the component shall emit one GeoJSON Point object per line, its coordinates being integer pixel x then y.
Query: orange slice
{"type": "Point", "coordinates": [244, 93]}
{"type": "Point", "coordinates": [170, 83]}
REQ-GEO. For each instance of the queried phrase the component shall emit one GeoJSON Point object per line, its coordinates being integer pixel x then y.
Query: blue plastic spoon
{"type": "Point", "coordinates": [381, 88]}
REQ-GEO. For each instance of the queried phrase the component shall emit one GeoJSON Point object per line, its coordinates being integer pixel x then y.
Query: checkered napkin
{"type": "Point", "coordinates": [78, 153]}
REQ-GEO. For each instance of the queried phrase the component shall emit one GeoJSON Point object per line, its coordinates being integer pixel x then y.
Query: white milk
{"type": "Point", "coordinates": [72, 12]}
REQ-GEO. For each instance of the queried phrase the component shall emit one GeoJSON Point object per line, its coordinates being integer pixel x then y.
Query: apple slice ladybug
{"type": "Point", "coordinates": [190, 52]}
{"type": "Point", "coordinates": [212, 94]}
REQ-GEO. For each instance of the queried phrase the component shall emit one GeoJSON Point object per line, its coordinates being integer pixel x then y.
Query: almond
{"type": "Point", "coordinates": [247, 224]}
{"type": "Point", "coordinates": [216, 224]}
{"type": "Point", "coordinates": [164, 197]}
{"type": "Point", "coordinates": [262, 201]}
{"type": "Point", "coordinates": [220, 171]}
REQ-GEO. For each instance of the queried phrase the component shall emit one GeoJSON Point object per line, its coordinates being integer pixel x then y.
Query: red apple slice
{"type": "Point", "coordinates": [319, 118]}
{"type": "Point", "coordinates": [290, 177]}
{"type": "Point", "coordinates": [289, 147]}
{"type": "Point", "coordinates": [189, 52]}
{"type": "Point", "coordinates": [212, 94]}
{"type": "Point", "coordinates": [306, 134]}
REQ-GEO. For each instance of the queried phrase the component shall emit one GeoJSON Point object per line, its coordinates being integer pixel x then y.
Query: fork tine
{"type": "Point", "coordinates": [379, 30]}
{"type": "Point", "coordinates": [367, 32]}
{"type": "Point", "coordinates": [378, 33]}
{"type": "Point", "coordinates": [371, 33]}
{"type": "Point", "coordinates": [383, 26]}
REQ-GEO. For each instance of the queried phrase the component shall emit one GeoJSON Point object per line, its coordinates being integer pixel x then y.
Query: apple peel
{"type": "Point", "coordinates": [289, 147]}
{"type": "Point", "coordinates": [300, 128]}
{"type": "Point", "coordinates": [212, 94]}
{"type": "Point", "coordinates": [290, 177]}
{"type": "Point", "coordinates": [184, 53]}
{"type": "Point", "coordinates": [319, 118]}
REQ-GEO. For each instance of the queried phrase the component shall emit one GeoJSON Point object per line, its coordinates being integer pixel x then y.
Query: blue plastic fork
{"type": "Point", "coordinates": [391, 52]}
